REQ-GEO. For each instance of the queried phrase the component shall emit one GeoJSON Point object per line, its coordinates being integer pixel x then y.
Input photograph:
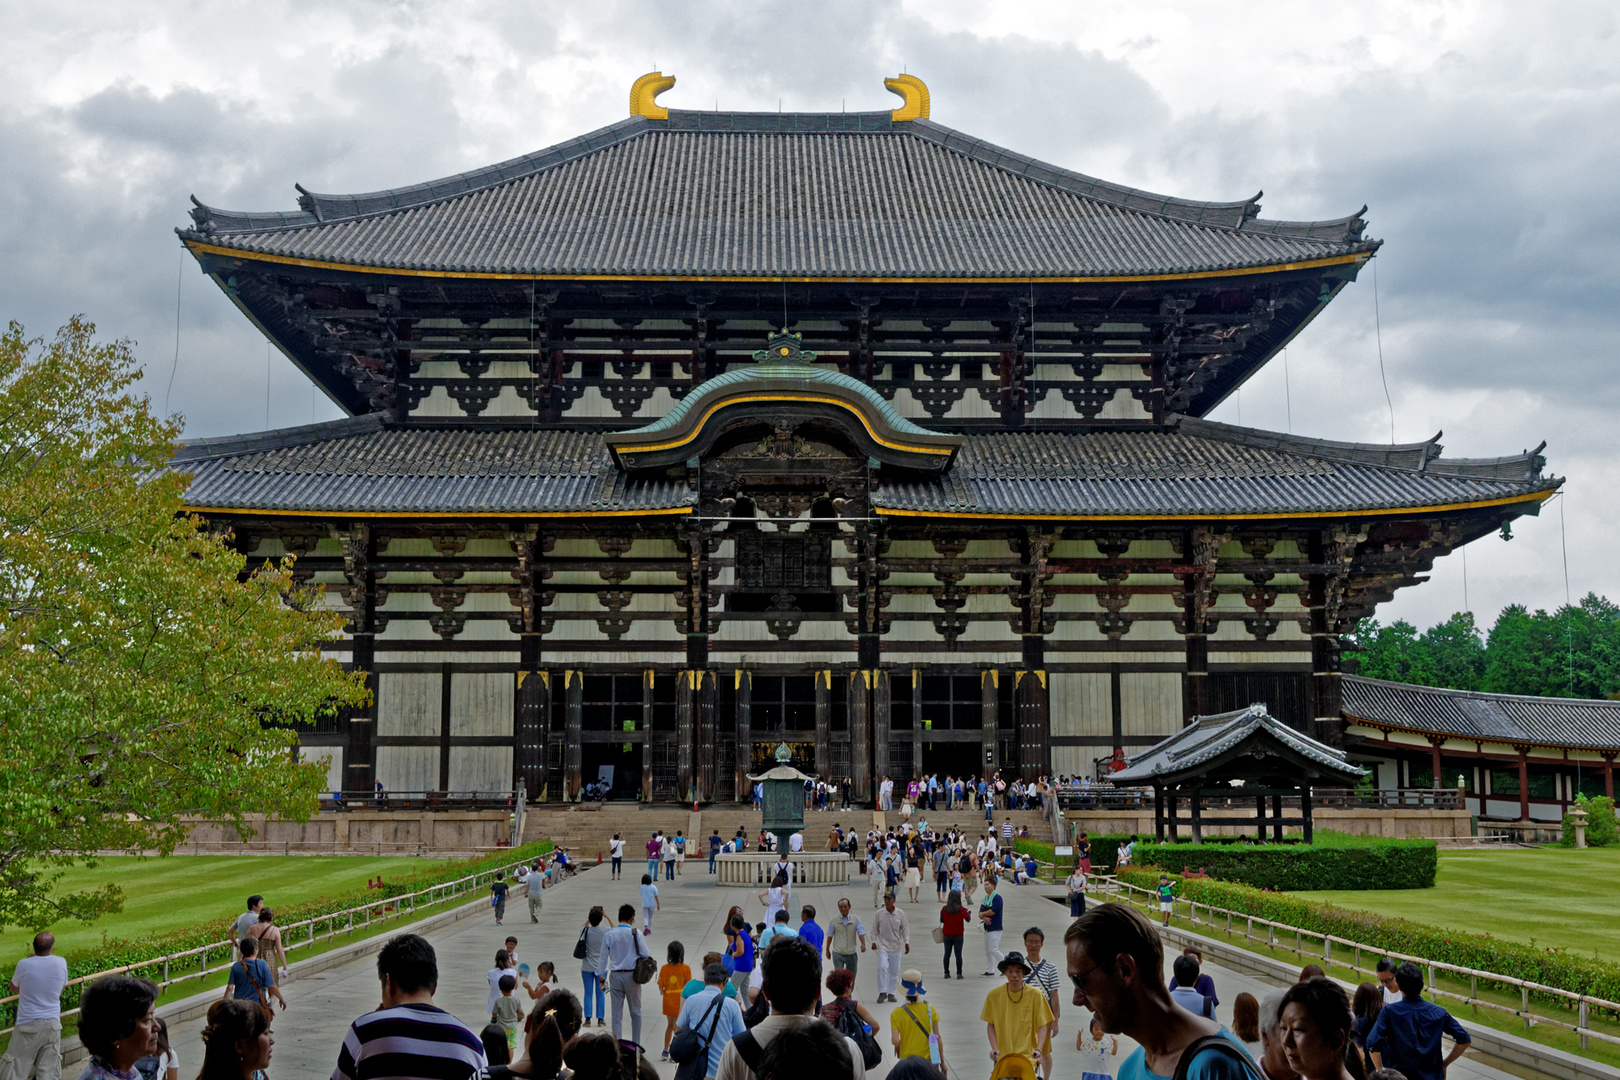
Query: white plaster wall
{"type": "Point", "coordinates": [408, 703]}
{"type": "Point", "coordinates": [481, 703]}
{"type": "Point", "coordinates": [481, 768]}
{"type": "Point", "coordinates": [408, 768]}
{"type": "Point", "coordinates": [1080, 703]}
{"type": "Point", "coordinates": [1150, 703]}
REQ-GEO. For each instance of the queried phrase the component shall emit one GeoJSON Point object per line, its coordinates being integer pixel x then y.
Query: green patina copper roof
{"type": "Point", "coordinates": [784, 364]}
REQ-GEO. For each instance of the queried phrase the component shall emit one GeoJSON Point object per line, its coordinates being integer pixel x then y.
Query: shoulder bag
{"type": "Point", "coordinates": [688, 1048]}
{"type": "Point", "coordinates": [933, 1040]}
{"type": "Point", "coordinates": [646, 967]}
{"type": "Point", "coordinates": [580, 951]}
{"type": "Point", "coordinates": [1221, 1045]}
{"type": "Point", "coordinates": [851, 1026]}
{"type": "Point", "coordinates": [247, 969]}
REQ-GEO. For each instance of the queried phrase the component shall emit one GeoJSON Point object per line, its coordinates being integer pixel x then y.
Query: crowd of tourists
{"type": "Point", "coordinates": [931, 792]}
{"type": "Point", "coordinates": [776, 1000]}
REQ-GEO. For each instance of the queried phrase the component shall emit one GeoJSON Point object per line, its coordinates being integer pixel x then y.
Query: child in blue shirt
{"type": "Point", "coordinates": [649, 903]}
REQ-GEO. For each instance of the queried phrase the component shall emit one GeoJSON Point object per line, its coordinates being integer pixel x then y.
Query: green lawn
{"type": "Point", "coordinates": [184, 890]}
{"type": "Point", "coordinates": [1552, 896]}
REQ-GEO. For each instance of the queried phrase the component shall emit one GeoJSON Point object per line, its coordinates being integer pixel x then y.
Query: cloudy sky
{"type": "Point", "coordinates": [1485, 138]}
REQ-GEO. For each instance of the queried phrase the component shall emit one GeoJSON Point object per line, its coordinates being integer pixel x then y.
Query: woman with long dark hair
{"type": "Point", "coordinates": [236, 1041]}
{"type": "Point", "coordinates": [953, 920]}
{"type": "Point", "coordinates": [596, 929]}
{"type": "Point", "coordinates": [556, 1019]}
{"type": "Point", "coordinates": [1365, 1007]}
{"type": "Point", "coordinates": [1315, 1030]}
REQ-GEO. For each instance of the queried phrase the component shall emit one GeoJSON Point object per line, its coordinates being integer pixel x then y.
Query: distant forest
{"type": "Point", "coordinates": [1571, 652]}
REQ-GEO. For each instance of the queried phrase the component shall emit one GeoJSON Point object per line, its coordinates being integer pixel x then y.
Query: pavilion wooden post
{"type": "Point", "coordinates": [1434, 747]}
{"type": "Point", "coordinates": [1260, 818]}
{"type": "Point", "coordinates": [1608, 775]}
{"type": "Point", "coordinates": [1524, 782]}
{"type": "Point", "coordinates": [1305, 810]}
{"type": "Point", "coordinates": [1195, 798]}
{"type": "Point", "coordinates": [359, 759]}
{"type": "Point", "coordinates": [1276, 816]}
{"type": "Point", "coordinates": [1158, 813]}
{"type": "Point", "coordinates": [1170, 811]}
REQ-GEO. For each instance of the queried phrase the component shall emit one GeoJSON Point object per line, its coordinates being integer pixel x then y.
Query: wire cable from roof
{"type": "Point", "coordinates": [1569, 626]}
{"type": "Point", "coordinates": [179, 280]}
{"type": "Point", "coordinates": [1288, 393]}
{"type": "Point", "coordinates": [1378, 334]}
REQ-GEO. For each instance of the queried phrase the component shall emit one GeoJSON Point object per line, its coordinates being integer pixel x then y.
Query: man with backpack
{"type": "Point", "coordinates": [790, 978]}
{"type": "Point", "coordinates": [1116, 964]}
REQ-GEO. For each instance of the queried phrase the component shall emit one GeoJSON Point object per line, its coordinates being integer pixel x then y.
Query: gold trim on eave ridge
{"type": "Point", "coordinates": [480, 515]}
{"type": "Point", "coordinates": [1015, 279]}
{"type": "Point", "coordinates": [1388, 511]}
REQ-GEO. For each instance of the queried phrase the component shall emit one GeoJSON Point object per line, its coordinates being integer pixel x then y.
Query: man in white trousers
{"type": "Point", "coordinates": [892, 933]}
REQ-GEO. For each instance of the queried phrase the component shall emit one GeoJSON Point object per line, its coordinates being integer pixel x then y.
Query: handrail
{"type": "Point", "coordinates": [446, 891]}
{"type": "Point", "coordinates": [1583, 1003]}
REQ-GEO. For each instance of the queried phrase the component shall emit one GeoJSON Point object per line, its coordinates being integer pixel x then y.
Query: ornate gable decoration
{"type": "Point", "coordinates": [785, 393]}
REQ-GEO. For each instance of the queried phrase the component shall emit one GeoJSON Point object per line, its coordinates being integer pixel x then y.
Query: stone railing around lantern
{"type": "Point", "coordinates": [809, 868]}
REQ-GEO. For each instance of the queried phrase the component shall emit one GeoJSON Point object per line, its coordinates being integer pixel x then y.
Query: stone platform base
{"type": "Point", "coordinates": [1371, 821]}
{"type": "Point", "coordinates": [359, 832]}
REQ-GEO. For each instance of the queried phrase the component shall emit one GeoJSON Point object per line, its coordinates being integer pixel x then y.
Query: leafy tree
{"type": "Point", "coordinates": [143, 668]}
{"type": "Point", "coordinates": [1602, 829]}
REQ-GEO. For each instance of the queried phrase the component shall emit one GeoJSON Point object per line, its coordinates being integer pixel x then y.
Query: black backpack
{"type": "Point", "coordinates": [853, 1028]}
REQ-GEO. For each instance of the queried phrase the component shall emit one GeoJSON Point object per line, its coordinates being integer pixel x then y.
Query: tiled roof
{"type": "Point", "coordinates": [1201, 467]}
{"type": "Point", "coordinates": [359, 466]}
{"type": "Point", "coordinates": [814, 195]}
{"type": "Point", "coordinates": [1210, 737]}
{"type": "Point", "coordinates": [1510, 718]}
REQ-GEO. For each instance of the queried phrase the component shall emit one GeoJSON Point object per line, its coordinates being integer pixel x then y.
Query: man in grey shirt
{"type": "Point", "coordinates": [248, 919]}
{"type": "Point", "coordinates": [620, 950]}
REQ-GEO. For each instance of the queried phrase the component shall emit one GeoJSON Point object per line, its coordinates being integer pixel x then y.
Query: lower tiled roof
{"type": "Point", "coordinates": [1510, 718]}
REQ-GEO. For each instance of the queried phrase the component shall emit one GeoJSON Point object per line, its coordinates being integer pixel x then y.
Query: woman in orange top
{"type": "Point", "coordinates": [672, 979]}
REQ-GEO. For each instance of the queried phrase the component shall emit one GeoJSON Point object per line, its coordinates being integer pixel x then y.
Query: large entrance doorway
{"type": "Point", "coordinates": [611, 727]}
{"type": "Point", "coordinates": [952, 719]}
{"type": "Point", "coordinates": [783, 710]}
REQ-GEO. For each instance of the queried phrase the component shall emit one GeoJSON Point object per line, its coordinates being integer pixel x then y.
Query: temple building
{"type": "Point", "coordinates": [709, 431]}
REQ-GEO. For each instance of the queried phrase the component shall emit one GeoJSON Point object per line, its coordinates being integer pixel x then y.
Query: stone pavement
{"type": "Point", "coordinates": [309, 1033]}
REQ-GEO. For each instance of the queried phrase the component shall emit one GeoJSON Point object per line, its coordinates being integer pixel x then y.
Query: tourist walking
{"type": "Point", "coordinates": [534, 891]}
{"type": "Point", "coordinates": [741, 953]}
{"type": "Point", "coordinates": [1385, 973]}
{"type": "Point", "coordinates": [36, 1035]}
{"type": "Point", "coordinates": [249, 918]}
{"type": "Point", "coordinates": [775, 898]}
{"type": "Point", "coordinates": [555, 1020]}
{"type": "Point", "coordinates": [1186, 972]}
{"type": "Point", "coordinates": [588, 949]}
{"type": "Point", "coordinates": [1115, 962]}
{"type": "Point", "coordinates": [1406, 1035]}
{"type": "Point", "coordinates": [1202, 983]}
{"type": "Point", "coordinates": [117, 1026]}
{"type": "Point", "coordinates": [811, 930]}
{"type": "Point", "coordinates": [1016, 1017]}
{"type": "Point", "coordinates": [942, 871]}
{"type": "Point", "coordinates": [790, 979]}
{"type": "Point", "coordinates": [672, 979]}
{"type": "Point", "coordinates": [714, 848]}
{"type": "Point", "coordinates": [777, 928]}
{"type": "Point", "coordinates": [1316, 1031]}
{"type": "Point", "coordinates": [913, 859]}
{"type": "Point", "coordinates": [876, 874]}
{"type": "Point", "coordinates": [844, 932]}
{"type": "Point", "coordinates": [841, 985]}
{"type": "Point", "coordinates": [497, 898]}
{"type": "Point", "coordinates": [892, 933]}
{"type": "Point", "coordinates": [1246, 1024]}
{"type": "Point", "coordinates": [236, 1041]}
{"type": "Point", "coordinates": [953, 920]}
{"type": "Point", "coordinates": [503, 968]}
{"type": "Point", "coordinates": [268, 935]}
{"type": "Point", "coordinates": [620, 950]}
{"type": "Point", "coordinates": [439, 1046]}
{"type": "Point", "coordinates": [655, 851]}
{"type": "Point", "coordinates": [1043, 975]}
{"type": "Point", "coordinates": [914, 1026]}
{"type": "Point", "coordinates": [1167, 899]}
{"type": "Point", "coordinates": [990, 920]}
{"type": "Point", "coordinates": [1076, 884]}
{"type": "Point", "coordinates": [680, 851]}
{"type": "Point", "coordinates": [616, 853]}
{"type": "Point", "coordinates": [649, 904]}
{"type": "Point", "coordinates": [1365, 1006]}
{"type": "Point", "coordinates": [715, 1018]}
{"type": "Point", "coordinates": [1273, 1057]}
{"type": "Point", "coordinates": [251, 979]}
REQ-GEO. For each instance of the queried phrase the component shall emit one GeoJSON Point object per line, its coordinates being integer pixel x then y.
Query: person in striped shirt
{"type": "Point", "coordinates": [409, 1037]}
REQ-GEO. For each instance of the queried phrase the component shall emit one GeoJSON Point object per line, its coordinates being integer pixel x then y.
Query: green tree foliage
{"type": "Point", "coordinates": [141, 663]}
{"type": "Point", "coordinates": [1571, 652]}
{"type": "Point", "coordinates": [1602, 828]}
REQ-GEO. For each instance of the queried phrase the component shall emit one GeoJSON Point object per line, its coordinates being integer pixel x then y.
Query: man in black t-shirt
{"type": "Point", "coordinates": [498, 897]}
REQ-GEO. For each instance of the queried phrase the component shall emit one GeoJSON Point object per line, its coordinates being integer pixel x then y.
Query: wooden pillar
{"type": "Point", "coordinates": [1158, 814]}
{"type": "Point", "coordinates": [824, 725]}
{"type": "Point", "coordinates": [881, 688]}
{"type": "Point", "coordinates": [989, 705]}
{"type": "Point", "coordinates": [916, 723]}
{"type": "Point", "coordinates": [708, 743]}
{"type": "Point", "coordinates": [359, 757]}
{"type": "Point", "coordinates": [1305, 810]}
{"type": "Point", "coordinates": [745, 734]}
{"type": "Point", "coordinates": [1030, 705]}
{"type": "Point", "coordinates": [646, 726]}
{"type": "Point", "coordinates": [444, 727]}
{"type": "Point", "coordinates": [1196, 799]}
{"type": "Point", "coordinates": [573, 724]}
{"type": "Point", "coordinates": [688, 704]}
{"type": "Point", "coordinates": [1197, 583]}
{"type": "Point", "coordinates": [859, 703]}
{"type": "Point", "coordinates": [1029, 688]}
{"type": "Point", "coordinates": [1524, 783]}
{"type": "Point", "coordinates": [1276, 817]}
{"type": "Point", "coordinates": [1326, 697]}
{"type": "Point", "coordinates": [1116, 706]}
{"type": "Point", "coordinates": [1608, 775]}
{"type": "Point", "coordinates": [1260, 818]}
{"type": "Point", "coordinates": [531, 727]}
{"type": "Point", "coordinates": [1170, 811]}
{"type": "Point", "coordinates": [1434, 747]}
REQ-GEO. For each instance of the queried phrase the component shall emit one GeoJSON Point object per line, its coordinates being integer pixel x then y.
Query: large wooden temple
{"type": "Point", "coordinates": [708, 431]}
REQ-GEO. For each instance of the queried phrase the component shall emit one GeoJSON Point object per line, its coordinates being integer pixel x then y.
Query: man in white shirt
{"type": "Point", "coordinates": [796, 842]}
{"type": "Point", "coordinates": [621, 948]}
{"type": "Point", "coordinates": [892, 933]}
{"type": "Point", "coordinates": [886, 794]}
{"type": "Point", "coordinates": [790, 976]}
{"type": "Point", "coordinates": [1386, 980]}
{"type": "Point", "coordinates": [36, 1041]}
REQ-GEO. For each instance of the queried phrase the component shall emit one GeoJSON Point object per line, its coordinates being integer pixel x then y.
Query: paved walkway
{"type": "Point", "coordinates": [308, 1034]}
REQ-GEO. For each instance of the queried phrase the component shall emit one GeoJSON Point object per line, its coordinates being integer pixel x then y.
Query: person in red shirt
{"type": "Point", "coordinates": [953, 920]}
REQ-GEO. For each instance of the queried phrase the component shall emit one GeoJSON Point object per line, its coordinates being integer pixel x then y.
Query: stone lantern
{"type": "Point", "coordinates": [1578, 814]}
{"type": "Point", "coordinates": [784, 798]}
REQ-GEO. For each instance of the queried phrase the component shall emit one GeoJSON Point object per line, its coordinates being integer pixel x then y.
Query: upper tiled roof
{"type": "Point", "coordinates": [1205, 468]}
{"type": "Point", "coordinates": [767, 194]}
{"type": "Point", "coordinates": [1200, 468]}
{"type": "Point", "coordinates": [1190, 750]}
{"type": "Point", "coordinates": [1510, 718]}
{"type": "Point", "coordinates": [359, 466]}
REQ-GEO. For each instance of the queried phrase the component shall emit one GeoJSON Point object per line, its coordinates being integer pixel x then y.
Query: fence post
{"type": "Point", "coordinates": [1327, 953]}
{"type": "Point", "coordinates": [166, 973]}
{"type": "Point", "coordinates": [1585, 1041]}
{"type": "Point", "coordinates": [1248, 935]}
{"type": "Point", "coordinates": [1473, 991]}
{"type": "Point", "coordinates": [1524, 996]}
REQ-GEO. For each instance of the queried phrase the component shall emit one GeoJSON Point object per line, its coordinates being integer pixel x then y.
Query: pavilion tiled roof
{"type": "Point", "coordinates": [816, 195]}
{"type": "Point", "coordinates": [1194, 468]}
{"type": "Point", "coordinates": [1503, 718]}
{"type": "Point", "coordinates": [1208, 738]}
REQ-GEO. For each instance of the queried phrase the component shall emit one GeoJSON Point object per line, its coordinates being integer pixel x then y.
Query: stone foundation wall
{"type": "Point", "coordinates": [1371, 821]}
{"type": "Point", "coordinates": [359, 832]}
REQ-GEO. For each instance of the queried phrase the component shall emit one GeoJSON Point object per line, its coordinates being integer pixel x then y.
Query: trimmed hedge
{"type": "Point", "coordinates": [1384, 864]}
{"type": "Point", "coordinates": [114, 953]}
{"type": "Point", "coordinates": [1104, 849]}
{"type": "Point", "coordinates": [1548, 966]}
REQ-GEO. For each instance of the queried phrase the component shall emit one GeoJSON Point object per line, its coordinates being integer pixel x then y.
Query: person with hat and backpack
{"type": "Point", "coordinates": [914, 1026]}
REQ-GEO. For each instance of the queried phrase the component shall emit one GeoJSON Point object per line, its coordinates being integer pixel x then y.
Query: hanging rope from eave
{"type": "Point", "coordinates": [1288, 393]}
{"type": "Point", "coordinates": [179, 278]}
{"type": "Point", "coordinates": [1569, 612]}
{"type": "Point", "coordinates": [1378, 333]}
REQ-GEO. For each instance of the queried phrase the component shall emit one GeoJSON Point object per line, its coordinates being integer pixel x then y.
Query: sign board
{"type": "Point", "coordinates": [1063, 851]}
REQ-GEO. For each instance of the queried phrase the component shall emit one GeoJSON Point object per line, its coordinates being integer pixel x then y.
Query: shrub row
{"type": "Point", "coordinates": [1482, 952]}
{"type": "Point", "coordinates": [1387, 864]}
{"type": "Point", "coordinates": [1104, 850]}
{"type": "Point", "coordinates": [117, 952]}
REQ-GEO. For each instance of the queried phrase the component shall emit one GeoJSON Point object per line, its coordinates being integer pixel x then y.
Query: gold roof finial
{"type": "Point", "coordinates": [915, 94]}
{"type": "Point", "coordinates": [644, 93]}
